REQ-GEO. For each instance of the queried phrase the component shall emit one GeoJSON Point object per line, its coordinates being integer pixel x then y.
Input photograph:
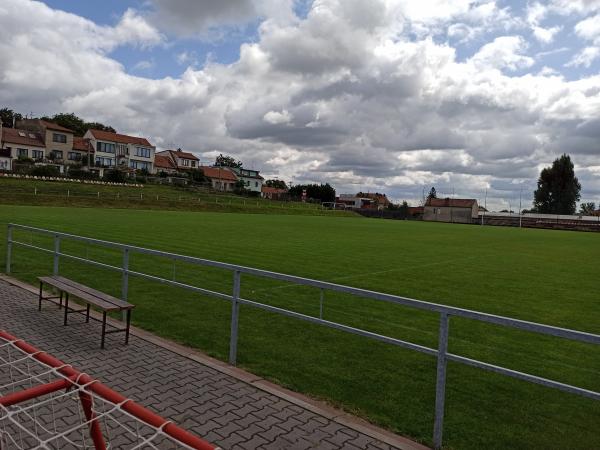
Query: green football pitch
{"type": "Point", "coordinates": [550, 277]}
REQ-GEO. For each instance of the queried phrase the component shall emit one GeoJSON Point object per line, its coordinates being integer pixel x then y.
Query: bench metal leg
{"type": "Point", "coordinates": [87, 314]}
{"type": "Point", "coordinates": [127, 329]}
{"type": "Point", "coordinates": [60, 300]}
{"type": "Point", "coordinates": [103, 329]}
{"type": "Point", "coordinates": [40, 298]}
{"type": "Point", "coordinates": [66, 307]}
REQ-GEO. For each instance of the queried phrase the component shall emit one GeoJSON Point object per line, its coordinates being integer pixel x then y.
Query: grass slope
{"type": "Point", "coordinates": [538, 275]}
{"type": "Point", "coordinates": [151, 196]}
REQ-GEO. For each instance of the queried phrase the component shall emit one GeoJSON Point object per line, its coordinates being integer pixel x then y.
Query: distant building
{"type": "Point", "coordinates": [354, 202]}
{"type": "Point", "coordinates": [221, 178]}
{"type": "Point", "coordinates": [252, 179]}
{"type": "Point", "coordinates": [380, 201]}
{"type": "Point", "coordinates": [459, 210]}
{"type": "Point", "coordinates": [274, 193]}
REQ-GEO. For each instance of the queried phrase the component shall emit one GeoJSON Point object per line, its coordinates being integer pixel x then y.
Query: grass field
{"type": "Point", "coordinates": [543, 276]}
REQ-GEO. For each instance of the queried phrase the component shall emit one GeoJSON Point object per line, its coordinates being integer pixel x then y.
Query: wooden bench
{"type": "Point", "coordinates": [106, 303]}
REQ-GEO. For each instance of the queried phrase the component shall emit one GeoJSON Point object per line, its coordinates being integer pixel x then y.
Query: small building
{"type": "Point", "coordinates": [379, 201]}
{"type": "Point", "coordinates": [456, 210]}
{"type": "Point", "coordinates": [252, 179]}
{"type": "Point", "coordinates": [354, 202]}
{"type": "Point", "coordinates": [183, 160]}
{"type": "Point", "coordinates": [81, 148]}
{"type": "Point", "coordinates": [274, 193]}
{"type": "Point", "coordinates": [221, 178]}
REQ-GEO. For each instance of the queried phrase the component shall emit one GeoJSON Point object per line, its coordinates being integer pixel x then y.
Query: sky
{"type": "Point", "coordinates": [394, 96]}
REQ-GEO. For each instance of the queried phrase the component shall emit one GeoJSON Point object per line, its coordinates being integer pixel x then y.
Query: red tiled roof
{"type": "Point", "coordinates": [120, 138]}
{"type": "Point", "coordinates": [451, 202]}
{"type": "Point", "coordinates": [81, 144]}
{"type": "Point", "coordinates": [163, 162]}
{"type": "Point", "coordinates": [217, 173]}
{"type": "Point", "coordinates": [182, 154]}
{"type": "Point", "coordinates": [11, 135]}
{"type": "Point", "coordinates": [272, 190]}
{"type": "Point", "coordinates": [54, 126]}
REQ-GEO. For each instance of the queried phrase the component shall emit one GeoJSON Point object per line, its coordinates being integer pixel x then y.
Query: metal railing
{"type": "Point", "coordinates": [445, 312]}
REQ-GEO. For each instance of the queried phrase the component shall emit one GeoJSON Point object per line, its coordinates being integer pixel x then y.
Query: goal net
{"type": "Point", "coordinates": [47, 404]}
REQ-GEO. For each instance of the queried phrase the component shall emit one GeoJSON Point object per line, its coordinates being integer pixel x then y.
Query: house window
{"type": "Point", "coordinates": [186, 162]}
{"type": "Point", "coordinates": [37, 154]}
{"type": "Point", "coordinates": [57, 154]}
{"type": "Point", "coordinates": [22, 153]}
{"type": "Point", "coordinates": [74, 156]}
{"type": "Point", "coordinates": [105, 147]}
{"type": "Point", "coordinates": [193, 163]}
{"type": "Point", "coordinates": [104, 162]}
{"type": "Point", "coordinates": [60, 138]}
{"type": "Point", "coordinates": [142, 152]}
{"type": "Point", "coordinates": [256, 184]}
{"type": "Point", "coordinates": [139, 164]}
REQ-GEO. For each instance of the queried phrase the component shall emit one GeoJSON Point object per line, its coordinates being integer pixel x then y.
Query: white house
{"type": "Point", "coordinates": [182, 160]}
{"type": "Point", "coordinates": [251, 178]}
{"type": "Point", "coordinates": [122, 151]}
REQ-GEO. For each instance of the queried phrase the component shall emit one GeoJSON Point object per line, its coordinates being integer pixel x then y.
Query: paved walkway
{"type": "Point", "coordinates": [216, 406]}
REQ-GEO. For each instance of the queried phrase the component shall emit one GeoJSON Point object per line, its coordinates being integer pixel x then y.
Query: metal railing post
{"type": "Point", "coordinates": [321, 304]}
{"type": "Point", "coordinates": [8, 248]}
{"type": "Point", "coordinates": [235, 312]}
{"type": "Point", "coordinates": [440, 386]}
{"type": "Point", "coordinates": [56, 255]}
{"type": "Point", "coordinates": [125, 279]}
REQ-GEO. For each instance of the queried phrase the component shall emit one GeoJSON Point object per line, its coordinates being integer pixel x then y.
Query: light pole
{"type": "Point", "coordinates": [520, 210]}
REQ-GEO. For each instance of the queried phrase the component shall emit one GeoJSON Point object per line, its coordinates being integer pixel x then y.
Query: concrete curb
{"type": "Point", "coordinates": [315, 406]}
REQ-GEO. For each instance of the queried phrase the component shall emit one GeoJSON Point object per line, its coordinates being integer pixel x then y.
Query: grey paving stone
{"type": "Point", "coordinates": [215, 406]}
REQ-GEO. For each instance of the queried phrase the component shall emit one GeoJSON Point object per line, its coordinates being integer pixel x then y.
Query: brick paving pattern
{"type": "Point", "coordinates": [222, 409]}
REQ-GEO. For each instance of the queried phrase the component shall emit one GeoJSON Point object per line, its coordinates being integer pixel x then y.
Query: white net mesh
{"type": "Point", "coordinates": [57, 420]}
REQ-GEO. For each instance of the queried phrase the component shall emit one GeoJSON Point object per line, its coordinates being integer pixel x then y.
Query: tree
{"type": "Point", "coordinates": [227, 161]}
{"type": "Point", "coordinates": [8, 117]}
{"type": "Point", "coordinates": [321, 192]}
{"type": "Point", "coordinates": [557, 188]}
{"type": "Point", "coordinates": [278, 184]}
{"type": "Point", "coordinates": [432, 193]}
{"type": "Point", "coordinates": [78, 125]}
{"type": "Point", "coordinates": [587, 208]}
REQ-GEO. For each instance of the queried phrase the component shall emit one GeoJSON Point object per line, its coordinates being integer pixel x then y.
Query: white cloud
{"type": "Point", "coordinates": [545, 35]}
{"type": "Point", "coordinates": [348, 94]}
{"type": "Point", "coordinates": [589, 28]}
{"type": "Point", "coordinates": [504, 52]}
{"type": "Point", "coordinates": [585, 57]}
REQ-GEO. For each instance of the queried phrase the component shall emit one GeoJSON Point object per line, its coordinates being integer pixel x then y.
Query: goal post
{"type": "Point", "coordinates": [45, 403]}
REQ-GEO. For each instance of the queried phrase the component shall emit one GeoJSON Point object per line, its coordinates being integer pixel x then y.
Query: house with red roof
{"type": "Point", "coordinates": [221, 178]}
{"type": "Point", "coordinates": [182, 160]}
{"type": "Point", "coordinates": [18, 143]}
{"type": "Point", "coordinates": [164, 164]}
{"type": "Point", "coordinates": [58, 140]}
{"type": "Point", "coordinates": [115, 150]}
{"type": "Point", "coordinates": [460, 210]}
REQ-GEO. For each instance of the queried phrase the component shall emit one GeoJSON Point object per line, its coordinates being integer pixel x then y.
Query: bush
{"type": "Point", "coordinates": [82, 174]}
{"type": "Point", "coordinates": [45, 171]}
{"type": "Point", "coordinates": [115, 176]}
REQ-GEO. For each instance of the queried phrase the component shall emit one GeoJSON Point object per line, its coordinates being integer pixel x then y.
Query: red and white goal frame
{"type": "Point", "coordinates": [47, 404]}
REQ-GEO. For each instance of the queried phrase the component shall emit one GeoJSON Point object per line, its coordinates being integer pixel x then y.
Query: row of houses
{"type": "Point", "coordinates": [47, 143]}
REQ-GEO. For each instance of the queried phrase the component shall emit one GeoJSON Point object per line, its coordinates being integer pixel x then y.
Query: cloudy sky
{"type": "Point", "coordinates": [377, 95]}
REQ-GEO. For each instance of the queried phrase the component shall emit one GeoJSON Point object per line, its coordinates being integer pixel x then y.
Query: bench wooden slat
{"type": "Point", "coordinates": [103, 296]}
{"type": "Point", "coordinates": [85, 296]}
